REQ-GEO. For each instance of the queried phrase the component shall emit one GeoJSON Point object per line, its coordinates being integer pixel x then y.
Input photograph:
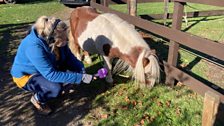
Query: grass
{"type": "Point", "coordinates": [125, 104]}
{"type": "Point", "coordinates": [27, 12]}
{"type": "Point", "coordinates": [14, 22]}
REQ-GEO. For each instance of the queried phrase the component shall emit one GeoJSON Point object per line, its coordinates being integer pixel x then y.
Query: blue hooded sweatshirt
{"type": "Point", "coordinates": [35, 57]}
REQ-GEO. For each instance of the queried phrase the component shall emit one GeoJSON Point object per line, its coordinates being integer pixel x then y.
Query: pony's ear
{"type": "Point", "coordinates": [145, 62]}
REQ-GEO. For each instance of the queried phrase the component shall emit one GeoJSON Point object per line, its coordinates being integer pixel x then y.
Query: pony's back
{"type": "Point", "coordinates": [115, 30]}
{"type": "Point", "coordinates": [125, 29]}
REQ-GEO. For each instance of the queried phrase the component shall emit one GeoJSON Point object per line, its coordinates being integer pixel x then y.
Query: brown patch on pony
{"type": "Point", "coordinates": [145, 62]}
{"type": "Point", "coordinates": [80, 18]}
{"type": "Point", "coordinates": [106, 49]}
{"type": "Point", "coordinates": [147, 82]}
{"type": "Point", "coordinates": [131, 57]}
{"type": "Point", "coordinates": [78, 22]}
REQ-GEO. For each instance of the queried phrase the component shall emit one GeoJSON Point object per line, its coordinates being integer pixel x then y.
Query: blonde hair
{"type": "Point", "coordinates": [45, 25]}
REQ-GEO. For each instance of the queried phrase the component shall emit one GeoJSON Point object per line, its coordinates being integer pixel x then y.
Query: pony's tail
{"type": "Point", "coordinates": [147, 76]}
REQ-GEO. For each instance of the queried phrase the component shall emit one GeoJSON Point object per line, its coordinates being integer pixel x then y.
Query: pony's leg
{"type": "Point", "coordinates": [87, 57]}
{"type": "Point", "coordinates": [74, 46]}
{"type": "Point", "coordinates": [108, 65]}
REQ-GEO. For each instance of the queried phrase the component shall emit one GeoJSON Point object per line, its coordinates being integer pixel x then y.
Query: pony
{"type": "Point", "coordinates": [113, 38]}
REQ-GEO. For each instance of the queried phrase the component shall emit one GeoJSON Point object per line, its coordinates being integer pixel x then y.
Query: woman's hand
{"type": "Point", "coordinates": [87, 78]}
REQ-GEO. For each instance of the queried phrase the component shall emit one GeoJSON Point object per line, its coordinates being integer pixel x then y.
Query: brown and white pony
{"type": "Point", "coordinates": [111, 37]}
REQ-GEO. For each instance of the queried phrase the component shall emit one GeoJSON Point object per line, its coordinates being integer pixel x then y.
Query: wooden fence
{"type": "Point", "coordinates": [176, 37]}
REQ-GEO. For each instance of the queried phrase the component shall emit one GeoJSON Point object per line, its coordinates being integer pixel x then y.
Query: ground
{"type": "Point", "coordinates": [69, 109]}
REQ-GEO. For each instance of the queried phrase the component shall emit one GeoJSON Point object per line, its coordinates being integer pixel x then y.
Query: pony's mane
{"type": "Point", "coordinates": [153, 67]}
{"type": "Point", "coordinates": [126, 30]}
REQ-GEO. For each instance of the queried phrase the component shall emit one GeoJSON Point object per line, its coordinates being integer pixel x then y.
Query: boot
{"type": "Point", "coordinates": [43, 109]}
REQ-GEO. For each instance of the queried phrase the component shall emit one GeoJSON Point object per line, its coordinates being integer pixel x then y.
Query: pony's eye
{"type": "Point", "coordinates": [46, 19]}
{"type": "Point", "coordinates": [147, 75]}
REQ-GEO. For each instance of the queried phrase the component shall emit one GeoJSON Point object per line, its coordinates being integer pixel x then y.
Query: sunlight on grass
{"type": "Point", "coordinates": [20, 13]}
{"type": "Point", "coordinates": [206, 27]}
{"type": "Point", "coordinates": [158, 8]}
{"type": "Point", "coordinates": [128, 105]}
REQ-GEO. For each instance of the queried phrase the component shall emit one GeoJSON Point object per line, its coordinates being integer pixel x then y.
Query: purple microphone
{"type": "Point", "coordinates": [101, 73]}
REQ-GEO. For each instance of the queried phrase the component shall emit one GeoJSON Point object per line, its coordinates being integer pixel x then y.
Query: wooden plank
{"type": "Point", "coordinates": [191, 82]}
{"type": "Point", "coordinates": [189, 14]}
{"type": "Point", "coordinates": [219, 3]}
{"type": "Point", "coordinates": [174, 46]}
{"type": "Point", "coordinates": [166, 11]}
{"type": "Point", "coordinates": [209, 47]}
{"type": "Point", "coordinates": [138, 1]}
{"type": "Point", "coordinates": [177, 22]}
{"type": "Point", "coordinates": [106, 3]}
{"type": "Point", "coordinates": [210, 109]}
{"type": "Point", "coordinates": [132, 7]}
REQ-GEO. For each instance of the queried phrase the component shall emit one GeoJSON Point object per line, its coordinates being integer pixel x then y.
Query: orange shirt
{"type": "Point", "coordinates": [21, 82]}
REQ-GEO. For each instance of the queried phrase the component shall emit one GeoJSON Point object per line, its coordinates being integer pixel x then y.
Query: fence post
{"type": "Point", "coordinates": [174, 46]}
{"type": "Point", "coordinates": [166, 9]}
{"type": "Point", "coordinates": [210, 109]}
{"type": "Point", "coordinates": [105, 3]}
{"type": "Point", "coordinates": [132, 7]}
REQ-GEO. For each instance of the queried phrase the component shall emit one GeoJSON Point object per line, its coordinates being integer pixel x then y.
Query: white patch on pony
{"type": "Point", "coordinates": [110, 29]}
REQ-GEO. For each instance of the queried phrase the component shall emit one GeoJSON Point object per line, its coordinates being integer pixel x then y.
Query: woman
{"type": "Point", "coordinates": [44, 62]}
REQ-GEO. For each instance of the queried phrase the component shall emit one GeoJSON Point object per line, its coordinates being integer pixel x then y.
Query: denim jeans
{"type": "Point", "coordinates": [44, 90]}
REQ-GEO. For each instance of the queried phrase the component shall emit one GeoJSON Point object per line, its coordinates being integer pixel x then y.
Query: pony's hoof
{"type": "Point", "coordinates": [109, 80]}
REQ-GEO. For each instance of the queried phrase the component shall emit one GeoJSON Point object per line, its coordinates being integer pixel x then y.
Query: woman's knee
{"type": "Point", "coordinates": [55, 90]}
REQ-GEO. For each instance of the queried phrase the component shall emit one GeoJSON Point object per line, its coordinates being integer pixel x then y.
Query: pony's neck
{"type": "Point", "coordinates": [133, 55]}
{"type": "Point", "coordinates": [130, 58]}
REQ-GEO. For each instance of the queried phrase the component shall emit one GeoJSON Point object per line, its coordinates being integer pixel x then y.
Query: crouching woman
{"type": "Point", "coordinates": [44, 62]}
